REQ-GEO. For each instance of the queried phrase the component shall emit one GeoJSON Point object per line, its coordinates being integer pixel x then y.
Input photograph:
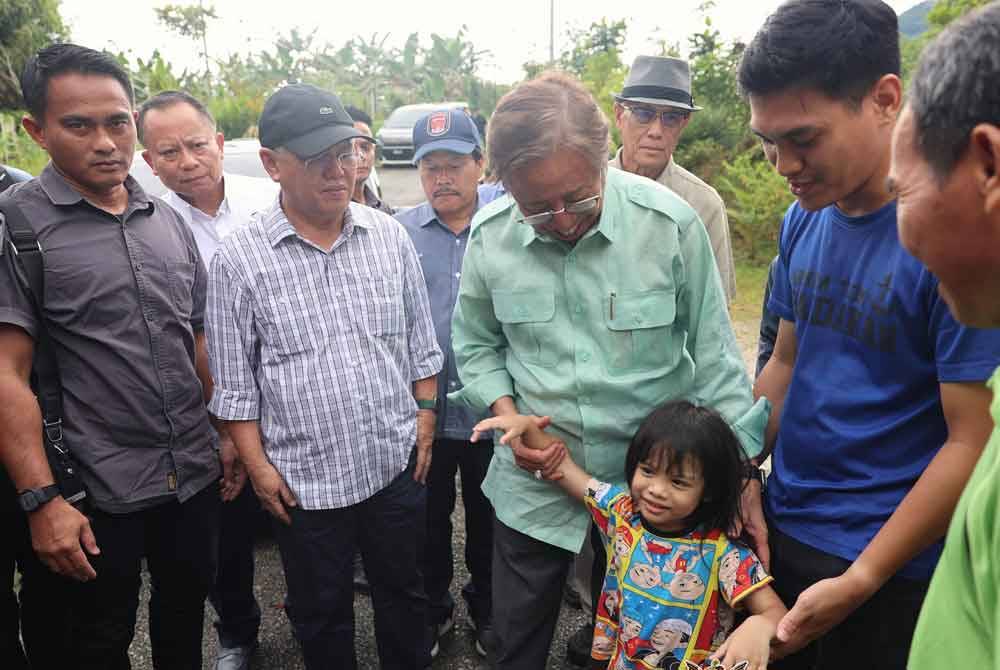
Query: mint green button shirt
{"type": "Point", "coordinates": [595, 335]}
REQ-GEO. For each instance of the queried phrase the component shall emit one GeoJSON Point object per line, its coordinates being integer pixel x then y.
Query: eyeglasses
{"type": "Point", "coordinates": [668, 117]}
{"type": "Point", "coordinates": [584, 206]}
{"type": "Point", "coordinates": [319, 165]}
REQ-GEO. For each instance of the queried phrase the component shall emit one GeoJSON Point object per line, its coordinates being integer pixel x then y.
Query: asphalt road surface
{"type": "Point", "coordinates": [278, 649]}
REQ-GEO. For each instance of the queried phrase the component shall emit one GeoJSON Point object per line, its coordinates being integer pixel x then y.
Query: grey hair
{"type": "Point", "coordinates": [551, 112]}
{"type": "Point", "coordinates": [955, 87]}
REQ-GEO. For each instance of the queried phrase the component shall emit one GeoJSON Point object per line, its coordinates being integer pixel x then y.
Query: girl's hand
{"type": "Point", "coordinates": [749, 643]}
{"type": "Point", "coordinates": [528, 428]}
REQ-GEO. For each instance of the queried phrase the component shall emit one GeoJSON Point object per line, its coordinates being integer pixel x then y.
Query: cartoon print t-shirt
{"type": "Point", "coordinates": [665, 599]}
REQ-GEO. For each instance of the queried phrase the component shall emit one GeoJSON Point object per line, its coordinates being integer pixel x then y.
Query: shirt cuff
{"type": "Point", "coordinates": [483, 392]}
{"type": "Point", "coordinates": [426, 366]}
{"type": "Point", "coordinates": [235, 405]}
{"type": "Point", "coordinates": [750, 427]}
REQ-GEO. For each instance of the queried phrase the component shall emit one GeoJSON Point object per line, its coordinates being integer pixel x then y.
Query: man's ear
{"type": "Point", "coordinates": [619, 113]}
{"type": "Point", "coordinates": [149, 160]}
{"type": "Point", "coordinates": [35, 130]}
{"type": "Point", "coordinates": [220, 141]}
{"type": "Point", "coordinates": [270, 160]}
{"type": "Point", "coordinates": [984, 145]}
{"type": "Point", "coordinates": [887, 96]}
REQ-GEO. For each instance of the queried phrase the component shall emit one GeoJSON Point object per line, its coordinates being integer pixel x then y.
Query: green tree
{"type": "Point", "coordinates": [189, 21]}
{"type": "Point", "coordinates": [756, 198]}
{"type": "Point", "coordinates": [600, 37]}
{"type": "Point", "coordinates": [946, 11]}
{"type": "Point", "coordinates": [25, 27]}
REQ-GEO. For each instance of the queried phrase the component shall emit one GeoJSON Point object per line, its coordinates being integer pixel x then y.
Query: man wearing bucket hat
{"type": "Point", "coordinates": [324, 359]}
{"type": "Point", "coordinates": [449, 157]}
{"type": "Point", "coordinates": [651, 112]}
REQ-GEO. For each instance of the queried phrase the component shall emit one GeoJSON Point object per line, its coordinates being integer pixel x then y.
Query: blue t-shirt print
{"type": "Point", "coordinates": [863, 417]}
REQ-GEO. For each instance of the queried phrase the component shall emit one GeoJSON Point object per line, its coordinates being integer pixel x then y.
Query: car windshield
{"type": "Point", "coordinates": [405, 117]}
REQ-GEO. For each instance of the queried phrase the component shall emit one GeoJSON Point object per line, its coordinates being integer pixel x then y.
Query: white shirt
{"type": "Point", "coordinates": [244, 197]}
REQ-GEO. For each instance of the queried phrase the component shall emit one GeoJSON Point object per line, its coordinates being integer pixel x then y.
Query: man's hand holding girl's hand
{"type": "Point", "coordinates": [534, 449]}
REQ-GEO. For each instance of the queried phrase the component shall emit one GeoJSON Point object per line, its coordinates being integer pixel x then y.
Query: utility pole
{"type": "Point", "coordinates": [552, 32]}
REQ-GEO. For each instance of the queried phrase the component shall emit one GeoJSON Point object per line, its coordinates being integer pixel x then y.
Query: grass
{"type": "Point", "coordinates": [750, 281]}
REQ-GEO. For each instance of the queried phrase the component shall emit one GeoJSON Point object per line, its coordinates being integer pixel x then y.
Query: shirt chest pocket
{"type": "Point", "coordinates": [640, 330]}
{"type": "Point", "coordinates": [180, 275]}
{"type": "Point", "coordinates": [293, 324]}
{"type": "Point", "coordinates": [527, 316]}
{"type": "Point", "coordinates": [382, 306]}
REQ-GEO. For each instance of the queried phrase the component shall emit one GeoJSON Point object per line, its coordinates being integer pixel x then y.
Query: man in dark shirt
{"type": "Point", "coordinates": [123, 305]}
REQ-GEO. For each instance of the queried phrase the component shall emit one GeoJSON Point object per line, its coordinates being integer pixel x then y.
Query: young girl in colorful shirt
{"type": "Point", "coordinates": [674, 576]}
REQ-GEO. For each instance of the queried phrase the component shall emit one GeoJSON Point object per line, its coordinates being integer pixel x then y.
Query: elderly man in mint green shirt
{"type": "Point", "coordinates": [590, 296]}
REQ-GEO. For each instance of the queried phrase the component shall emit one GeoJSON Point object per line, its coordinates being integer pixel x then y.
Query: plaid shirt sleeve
{"type": "Point", "coordinates": [426, 358]}
{"type": "Point", "coordinates": [232, 345]}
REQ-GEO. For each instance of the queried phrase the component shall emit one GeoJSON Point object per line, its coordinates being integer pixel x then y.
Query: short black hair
{"type": "Point", "coordinates": [61, 58]}
{"type": "Point", "coordinates": [165, 99]}
{"type": "Point", "coordinates": [955, 87]}
{"type": "Point", "coordinates": [838, 47]}
{"type": "Point", "coordinates": [678, 432]}
{"type": "Point", "coordinates": [359, 115]}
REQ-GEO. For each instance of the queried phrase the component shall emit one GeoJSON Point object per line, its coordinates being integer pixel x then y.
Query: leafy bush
{"type": "Point", "coordinates": [756, 198]}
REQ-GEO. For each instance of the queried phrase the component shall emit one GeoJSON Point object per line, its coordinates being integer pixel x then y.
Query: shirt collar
{"type": "Point", "coordinates": [425, 215]}
{"type": "Point", "coordinates": [277, 226]}
{"type": "Point", "coordinates": [60, 192]}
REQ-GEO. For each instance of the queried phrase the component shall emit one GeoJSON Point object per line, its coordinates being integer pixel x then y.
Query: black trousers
{"type": "Point", "coordinates": [232, 597]}
{"type": "Point", "coordinates": [875, 637]}
{"type": "Point", "coordinates": [15, 543]}
{"type": "Point", "coordinates": [528, 580]}
{"type": "Point", "coordinates": [471, 461]}
{"type": "Point", "coordinates": [317, 552]}
{"type": "Point", "coordinates": [69, 624]}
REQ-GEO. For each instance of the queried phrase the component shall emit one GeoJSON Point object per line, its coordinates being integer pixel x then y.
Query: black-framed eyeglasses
{"type": "Point", "coordinates": [584, 206]}
{"type": "Point", "coordinates": [319, 165]}
{"type": "Point", "coordinates": [670, 118]}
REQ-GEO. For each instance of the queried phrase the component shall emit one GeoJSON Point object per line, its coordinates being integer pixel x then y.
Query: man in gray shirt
{"type": "Point", "coordinates": [123, 305]}
{"type": "Point", "coordinates": [325, 361]}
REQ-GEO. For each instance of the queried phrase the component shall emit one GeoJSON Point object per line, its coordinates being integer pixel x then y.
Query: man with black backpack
{"type": "Point", "coordinates": [122, 313]}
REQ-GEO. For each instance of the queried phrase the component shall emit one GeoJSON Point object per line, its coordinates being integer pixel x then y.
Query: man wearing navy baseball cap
{"type": "Point", "coordinates": [449, 157]}
{"type": "Point", "coordinates": [324, 361]}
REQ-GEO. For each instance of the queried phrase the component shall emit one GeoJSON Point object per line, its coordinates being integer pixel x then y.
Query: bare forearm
{"type": "Point", "coordinates": [21, 450]}
{"type": "Point", "coordinates": [574, 480]}
{"type": "Point", "coordinates": [773, 384]}
{"type": "Point", "coordinates": [246, 437]}
{"type": "Point", "coordinates": [426, 388]}
{"type": "Point", "coordinates": [923, 516]}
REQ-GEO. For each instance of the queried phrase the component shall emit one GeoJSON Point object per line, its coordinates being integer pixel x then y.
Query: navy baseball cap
{"type": "Point", "coordinates": [306, 120]}
{"type": "Point", "coordinates": [445, 130]}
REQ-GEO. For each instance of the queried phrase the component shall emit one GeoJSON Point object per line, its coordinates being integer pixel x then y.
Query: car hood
{"type": "Point", "coordinates": [395, 135]}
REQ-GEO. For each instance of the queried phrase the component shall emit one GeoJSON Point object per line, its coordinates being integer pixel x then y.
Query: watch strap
{"type": "Point", "coordinates": [426, 403]}
{"type": "Point", "coordinates": [32, 499]}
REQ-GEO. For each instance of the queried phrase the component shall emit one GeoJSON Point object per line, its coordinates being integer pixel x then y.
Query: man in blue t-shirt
{"type": "Point", "coordinates": [880, 411]}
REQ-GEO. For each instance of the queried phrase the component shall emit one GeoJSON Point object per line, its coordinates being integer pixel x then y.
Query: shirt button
{"type": "Point", "coordinates": [638, 319]}
{"type": "Point", "coordinates": [578, 309]}
{"type": "Point", "coordinates": [521, 311]}
{"type": "Point", "coordinates": [585, 400]}
{"type": "Point", "coordinates": [452, 384]}
{"type": "Point", "coordinates": [457, 275]}
{"type": "Point", "coordinates": [585, 356]}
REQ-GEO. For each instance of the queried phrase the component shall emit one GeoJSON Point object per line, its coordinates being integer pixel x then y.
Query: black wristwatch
{"type": "Point", "coordinates": [32, 499]}
{"type": "Point", "coordinates": [753, 472]}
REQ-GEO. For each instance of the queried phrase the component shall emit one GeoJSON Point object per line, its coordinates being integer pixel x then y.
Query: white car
{"type": "Point", "coordinates": [395, 137]}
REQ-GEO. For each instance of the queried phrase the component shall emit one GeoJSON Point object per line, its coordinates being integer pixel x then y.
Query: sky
{"type": "Point", "coordinates": [513, 31]}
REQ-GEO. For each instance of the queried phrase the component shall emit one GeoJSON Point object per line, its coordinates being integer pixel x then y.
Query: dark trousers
{"type": "Point", "coordinates": [528, 579]}
{"type": "Point", "coordinates": [232, 597]}
{"type": "Point", "coordinates": [876, 636]}
{"type": "Point", "coordinates": [69, 624]}
{"type": "Point", "coordinates": [471, 460]}
{"type": "Point", "coordinates": [15, 542]}
{"type": "Point", "coordinates": [317, 551]}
